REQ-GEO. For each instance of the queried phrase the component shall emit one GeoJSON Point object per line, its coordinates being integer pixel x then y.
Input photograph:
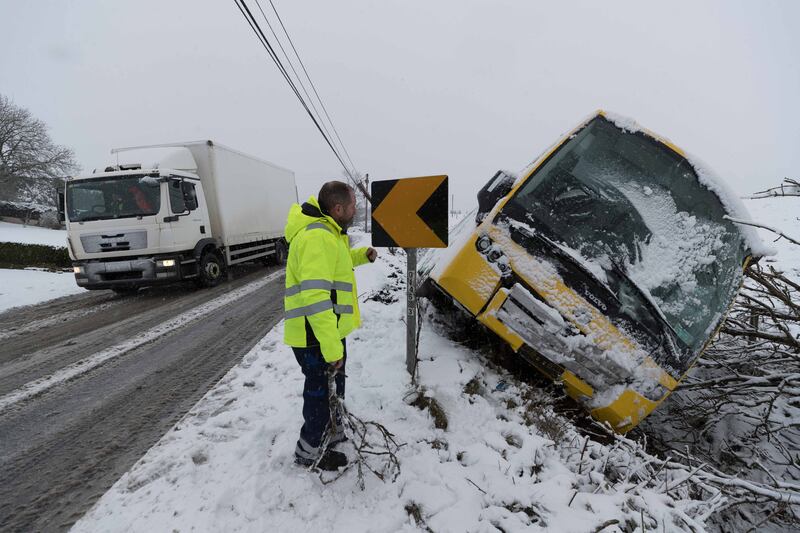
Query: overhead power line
{"type": "Point", "coordinates": [299, 80]}
{"type": "Point", "coordinates": [261, 36]}
{"type": "Point", "coordinates": [313, 87]}
{"type": "Point", "coordinates": [254, 25]}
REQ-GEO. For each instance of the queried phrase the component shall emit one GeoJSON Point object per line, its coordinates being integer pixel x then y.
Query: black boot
{"type": "Point", "coordinates": [331, 460]}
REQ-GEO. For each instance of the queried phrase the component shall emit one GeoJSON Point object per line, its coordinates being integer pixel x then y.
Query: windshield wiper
{"type": "Point", "coordinates": [651, 306]}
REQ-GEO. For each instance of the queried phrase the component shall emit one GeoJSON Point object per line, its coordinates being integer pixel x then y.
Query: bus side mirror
{"type": "Point", "coordinates": [497, 187]}
{"type": "Point", "coordinates": [60, 207]}
{"type": "Point", "coordinates": [189, 195]}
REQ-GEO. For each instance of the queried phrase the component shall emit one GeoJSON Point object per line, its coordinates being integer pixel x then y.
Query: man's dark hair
{"type": "Point", "coordinates": [332, 193]}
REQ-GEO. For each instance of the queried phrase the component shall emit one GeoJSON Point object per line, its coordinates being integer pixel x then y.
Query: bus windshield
{"type": "Point", "coordinates": [634, 207]}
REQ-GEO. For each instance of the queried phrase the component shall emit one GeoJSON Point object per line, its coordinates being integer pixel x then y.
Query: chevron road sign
{"type": "Point", "coordinates": [410, 212]}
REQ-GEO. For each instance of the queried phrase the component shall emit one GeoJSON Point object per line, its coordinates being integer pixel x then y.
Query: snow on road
{"type": "Point", "coordinates": [228, 464]}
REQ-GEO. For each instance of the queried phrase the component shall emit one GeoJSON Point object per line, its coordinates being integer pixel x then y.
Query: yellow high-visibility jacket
{"type": "Point", "coordinates": [321, 299]}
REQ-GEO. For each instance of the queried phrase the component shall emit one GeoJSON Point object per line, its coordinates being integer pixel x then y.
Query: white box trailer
{"type": "Point", "coordinates": [199, 209]}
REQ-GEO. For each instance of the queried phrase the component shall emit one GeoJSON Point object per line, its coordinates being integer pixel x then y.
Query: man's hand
{"type": "Point", "coordinates": [336, 365]}
{"type": "Point", "coordinates": [372, 254]}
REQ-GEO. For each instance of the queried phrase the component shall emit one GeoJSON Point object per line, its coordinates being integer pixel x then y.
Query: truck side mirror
{"type": "Point", "coordinates": [60, 207]}
{"type": "Point", "coordinates": [497, 187]}
{"type": "Point", "coordinates": [189, 195]}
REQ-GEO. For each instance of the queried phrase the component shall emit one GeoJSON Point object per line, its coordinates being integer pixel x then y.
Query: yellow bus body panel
{"type": "Point", "coordinates": [624, 413]}
{"type": "Point", "coordinates": [469, 278]}
{"type": "Point", "coordinates": [576, 387]}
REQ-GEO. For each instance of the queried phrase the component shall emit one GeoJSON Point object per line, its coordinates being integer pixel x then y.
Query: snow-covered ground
{"type": "Point", "coordinates": [502, 462]}
{"type": "Point", "coordinates": [228, 464]}
{"type": "Point", "coordinates": [783, 213]}
{"type": "Point", "coordinates": [33, 286]}
{"type": "Point", "coordinates": [32, 235]}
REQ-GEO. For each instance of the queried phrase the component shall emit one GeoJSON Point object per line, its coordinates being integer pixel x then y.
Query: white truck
{"type": "Point", "coordinates": [200, 209]}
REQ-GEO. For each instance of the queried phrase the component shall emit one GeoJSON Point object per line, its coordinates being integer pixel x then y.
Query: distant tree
{"type": "Point", "coordinates": [28, 156]}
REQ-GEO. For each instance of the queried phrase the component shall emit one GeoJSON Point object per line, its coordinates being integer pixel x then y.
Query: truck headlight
{"type": "Point", "coordinates": [166, 263]}
{"type": "Point", "coordinates": [78, 270]}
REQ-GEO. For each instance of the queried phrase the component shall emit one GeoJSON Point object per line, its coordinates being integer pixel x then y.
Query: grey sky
{"type": "Point", "coordinates": [461, 87]}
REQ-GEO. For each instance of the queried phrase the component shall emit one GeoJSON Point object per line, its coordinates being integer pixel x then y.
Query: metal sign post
{"type": "Point", "coordinates": [411, 311]}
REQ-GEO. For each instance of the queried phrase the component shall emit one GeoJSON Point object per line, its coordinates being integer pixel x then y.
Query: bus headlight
{"type": "Point", "coordinates": [78, 270]}
{"type": "Point", "coordinates": [166, 263]}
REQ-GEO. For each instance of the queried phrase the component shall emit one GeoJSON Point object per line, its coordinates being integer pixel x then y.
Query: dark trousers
{"type": "Point", "coordinates": [316, 411]}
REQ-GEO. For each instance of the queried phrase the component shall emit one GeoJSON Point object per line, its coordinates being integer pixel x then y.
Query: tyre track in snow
{"type": "Point", "coordinates": [62, 449]}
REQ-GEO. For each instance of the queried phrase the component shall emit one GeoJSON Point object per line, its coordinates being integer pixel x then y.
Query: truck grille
{"type": "Point", "coordinates": [114, 242]}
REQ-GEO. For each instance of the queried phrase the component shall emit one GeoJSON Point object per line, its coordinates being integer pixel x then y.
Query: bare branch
{"type": "Point", "coordinates": [762, 226]}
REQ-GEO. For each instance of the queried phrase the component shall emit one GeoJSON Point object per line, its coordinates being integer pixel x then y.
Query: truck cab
{"type": "Point", "coordinates": [130, 227]}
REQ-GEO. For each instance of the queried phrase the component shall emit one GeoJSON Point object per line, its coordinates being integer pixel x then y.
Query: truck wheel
{"type": "Point", "coordinates": [211, 269]}
{"type": "Point", "coordinates": [280, 255]}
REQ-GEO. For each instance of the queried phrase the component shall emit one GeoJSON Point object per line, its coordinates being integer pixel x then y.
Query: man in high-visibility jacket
{"type": "Point", "coordinates": [321, 309]}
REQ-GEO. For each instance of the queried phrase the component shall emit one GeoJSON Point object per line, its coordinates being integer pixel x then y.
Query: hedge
{"type": "Point", "coordinates": [18, 255]}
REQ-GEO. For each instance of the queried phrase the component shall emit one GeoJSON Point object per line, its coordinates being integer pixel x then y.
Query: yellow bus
{"type": "Point", "coordinates": [608, 264]}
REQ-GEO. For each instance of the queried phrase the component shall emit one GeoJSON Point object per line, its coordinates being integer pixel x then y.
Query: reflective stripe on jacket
{"type": "Point", "coordinates": [321, 299]}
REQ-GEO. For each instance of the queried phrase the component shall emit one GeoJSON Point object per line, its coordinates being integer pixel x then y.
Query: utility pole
{"type": "Point", "coordinates": [366, 203]}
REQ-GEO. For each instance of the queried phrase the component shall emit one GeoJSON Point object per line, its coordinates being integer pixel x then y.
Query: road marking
{"type": "Point", "coordinates": [40, 385]}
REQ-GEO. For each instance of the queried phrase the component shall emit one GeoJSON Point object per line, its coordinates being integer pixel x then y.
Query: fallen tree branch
{"type": "Point", "coordinates": [762, 226]}
{"type": "Point", "coordinates": [369, 438]}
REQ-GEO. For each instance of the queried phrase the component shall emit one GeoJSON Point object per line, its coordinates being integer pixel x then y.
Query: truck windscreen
{"type": "Point", "coordinates": [628, 204]}
{"type": "Point", "coordinates": [107, 198]}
